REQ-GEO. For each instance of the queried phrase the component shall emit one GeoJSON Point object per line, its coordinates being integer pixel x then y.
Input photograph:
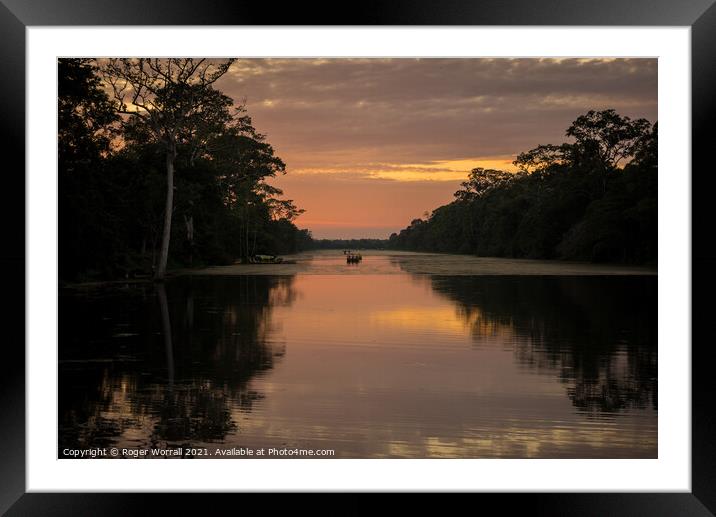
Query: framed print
{"type": "Point", "coordinates": [444, 248]}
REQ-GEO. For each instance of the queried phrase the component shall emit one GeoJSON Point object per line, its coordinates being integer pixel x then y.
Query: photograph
{"type": "Point", "coordinates": [357, 258]}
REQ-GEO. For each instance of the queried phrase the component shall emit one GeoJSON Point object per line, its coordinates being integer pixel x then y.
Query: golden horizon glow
{"type": "Point", "coordinates": [438, 170]}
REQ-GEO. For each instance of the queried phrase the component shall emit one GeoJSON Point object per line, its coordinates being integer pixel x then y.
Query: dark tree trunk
{"type": "Point", "coordinates": [168, 208]}
{"type": "Point", "coordinates": [167, 332]}
{"type": "Point", "coordinates": [189, 222]}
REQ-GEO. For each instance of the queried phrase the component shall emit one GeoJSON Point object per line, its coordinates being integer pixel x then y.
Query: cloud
{"type": "Point", "coordinates": [431, 109]}
{"type": "Point", "coordinates": [426, 119]}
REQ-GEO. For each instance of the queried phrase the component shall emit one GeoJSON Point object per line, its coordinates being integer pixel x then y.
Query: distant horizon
{"type": "Point", "coordinates": [352, 236]}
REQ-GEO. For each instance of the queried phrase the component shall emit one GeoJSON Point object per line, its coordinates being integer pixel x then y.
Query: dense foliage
{"type": "Point", "coordinates": [593, 199]}
{"type": "Point", "coordinates": [112, 185]}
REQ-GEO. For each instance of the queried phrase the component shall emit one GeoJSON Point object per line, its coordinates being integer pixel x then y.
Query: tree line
{"type": "Point", "coordinates": [158, 169]}
{"type": "Point", "coordinates": [349, 244]}
{"type": "Point", "coordinates": [593, 199]}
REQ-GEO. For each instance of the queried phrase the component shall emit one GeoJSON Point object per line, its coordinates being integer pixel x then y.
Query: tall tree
{"type": "Point", "coordinates": [480, 181]}
{"type": "Point", "coordinates": [173, 101]}
{"type": "Point", "coordinates": [85, 113]}
{"type": "Point", "coordinates": [603, 140]}
{"type": "Point", "coordinates": [244, 160]}
{"type": "Point", "coordinates": [612, 137]}
{"type": "Point", "coordinates": [86, 120]}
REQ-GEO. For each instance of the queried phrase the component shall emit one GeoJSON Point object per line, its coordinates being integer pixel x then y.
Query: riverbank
{"type": "Point", "coordinates": [332, 262]}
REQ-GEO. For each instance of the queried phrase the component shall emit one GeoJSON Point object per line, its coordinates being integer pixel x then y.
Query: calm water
{"type": "Point", "coordinates": [381, 362]}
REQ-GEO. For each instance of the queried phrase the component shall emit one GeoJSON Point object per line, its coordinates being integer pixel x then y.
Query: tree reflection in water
{"type": "Point", "coordinates": [598, 334]}
{"type": "Point", "coordinates": [152, 366]}
{"type": "Point", "coordinates": [149, 365]}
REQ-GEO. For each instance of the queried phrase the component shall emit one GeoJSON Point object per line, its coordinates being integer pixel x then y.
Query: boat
{"type": "Point", "coordinates": [353, 258]}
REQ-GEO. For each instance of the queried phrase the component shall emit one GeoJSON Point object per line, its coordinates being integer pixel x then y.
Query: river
{"type": "Point", "coordinates": [404, 355]}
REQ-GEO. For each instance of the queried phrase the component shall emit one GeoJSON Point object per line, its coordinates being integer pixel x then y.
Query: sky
{"type": "Point", "coordinates": [371, 144]}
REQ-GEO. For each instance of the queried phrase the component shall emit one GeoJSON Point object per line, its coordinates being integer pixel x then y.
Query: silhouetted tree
{"type": "Point", "coordinates": [113, 176]}
{"type": "Point", "coordinates": [172, 100]}
{"type": "Point", "coordinates": [481, 181]}
{"type": "Point", "coordinates": [85, 129]}
{"type": "Point", "coordinates": [612, 137]}
{"type": "Point", "coordinates": [591, 199]}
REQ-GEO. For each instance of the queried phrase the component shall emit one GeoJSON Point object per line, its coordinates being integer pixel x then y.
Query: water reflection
{"type": "Point", "coordinates": [379, 365]}
{"type": "Point", "coordinates": [598, 334]}
{"type": "Point", "coordinates": [146, 365]}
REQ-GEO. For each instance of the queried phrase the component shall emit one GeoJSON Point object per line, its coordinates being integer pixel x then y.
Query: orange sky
{"type": "Point", "coordinates": [371, 144]}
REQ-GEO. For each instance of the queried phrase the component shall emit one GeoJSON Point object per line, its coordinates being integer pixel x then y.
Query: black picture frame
{"type": "Point", "coordinates": [700, 15]}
